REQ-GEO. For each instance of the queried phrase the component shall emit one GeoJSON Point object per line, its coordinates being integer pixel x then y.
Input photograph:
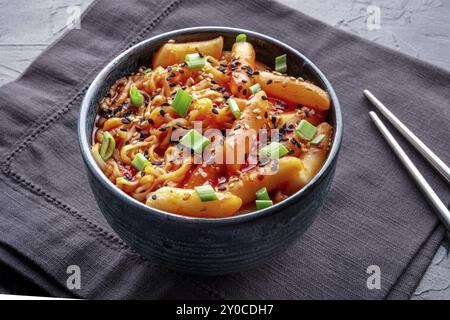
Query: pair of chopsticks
{"type": "Point", "coordinates": [441, 210]}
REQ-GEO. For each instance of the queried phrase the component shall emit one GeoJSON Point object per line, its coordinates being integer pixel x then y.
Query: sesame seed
{"type": "Point", "coordinates": [126, 120]}
{"type": "Point", "coordinates": [157, 163]}
{"type": "Point", "coordinates": [294, 141]}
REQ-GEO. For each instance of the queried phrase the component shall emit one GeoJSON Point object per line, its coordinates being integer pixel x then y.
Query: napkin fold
{"type": "Point", "coordinates": [374, 215]}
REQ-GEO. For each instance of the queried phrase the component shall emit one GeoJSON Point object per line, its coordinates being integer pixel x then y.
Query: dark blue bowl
{"type": "Point", "coordinates": [202, 245]}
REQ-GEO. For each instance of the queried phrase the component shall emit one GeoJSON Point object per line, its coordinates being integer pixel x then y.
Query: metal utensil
{"type": "Point", "coordinates": [429, 155]}
{"type": "Point", "coordinates": [436, 203]}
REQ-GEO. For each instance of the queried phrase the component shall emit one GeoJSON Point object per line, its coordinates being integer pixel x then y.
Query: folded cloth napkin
{"type": "Point", "coordinates": [374, 215]}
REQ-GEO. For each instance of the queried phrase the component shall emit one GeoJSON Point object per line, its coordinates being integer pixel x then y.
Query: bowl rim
{"type": "Point", "coordinates": [85, 143]}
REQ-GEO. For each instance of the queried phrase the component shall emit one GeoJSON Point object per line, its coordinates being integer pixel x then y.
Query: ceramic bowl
{"type": "Point", "coordinates": [204, 245]}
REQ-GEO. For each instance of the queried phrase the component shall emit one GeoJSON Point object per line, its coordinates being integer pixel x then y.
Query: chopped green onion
{"type": "Point", "coordinates": [262, 194]}
{"type": "Point", "coordinates": [274, 150]}
{"type": "Point", "coordinates": [262, 204]}
{"type": "Point", "coordinates": [195, 141]}
{"type": "Point", "coordinates": [136, 98]}
{"type": "Point", "coordinates": [281, 63]}
{"type": "Point", "coordinates": [147, 70]}
{"type": "Point", "coordinates": [206, 193]}
{"type": "Point", "coordinates": [194, 60]}
{"type": "Point", "coordinates": [255, 88]}
{"type": "Point", "coordinates": [139, 162]}
{"type": "Point", "coordinates": [234, 108]}
{"type": "Point", "coordinates": [306, 130]}
{"type": "Point", "coordinates": [181, 102]}
{"type": "Point", "coordinates": [242, 37]}
{"type": "Point", "coordinates": [317, 139]}
{"type": "Point", "coordinates": [108, 146]}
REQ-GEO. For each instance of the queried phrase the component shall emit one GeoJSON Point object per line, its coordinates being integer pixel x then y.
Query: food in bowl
{"type": "Point", "coordinates": [205, 132]}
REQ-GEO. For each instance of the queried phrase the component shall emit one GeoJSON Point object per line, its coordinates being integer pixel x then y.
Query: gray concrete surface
{"type": "Point", "coordinates": [420, 28]}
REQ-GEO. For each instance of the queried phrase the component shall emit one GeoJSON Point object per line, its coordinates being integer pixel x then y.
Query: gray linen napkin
{"type": "Point", "coordinates": [374, 215]}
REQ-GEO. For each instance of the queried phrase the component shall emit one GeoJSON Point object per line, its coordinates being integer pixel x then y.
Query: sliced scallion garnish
{"type": "Point", "coordinates": [281, 63]}
{"type": "Point", "coordinates": [242, 37]}
{"type": "Point", "coordinates": [255, 88]}
{"type": "Point", "coordinates": [306, 130]}
{"type": "Point", "coordinates": [262, 204]}
{"type": "Point", "coordinates": [274, 150]}
{"type": "Point", "coordinates": [181, 102]}
{"type": "Point", "coordinates": [136, 98]}
{"type": "Point", "coordinates": [195, 141]}
{"type": "Point", "coordinates": [206, 193]}
{"type": "Point", "coordinates": [148, 70]}
{"type": "Point", "coordinates": [139, 162]}
{"type": "Point", "coordinates": [317, 139]}
{"type": "Point", "coordinates": [194, 60]}
{"type": "Point", "coordinates": [108, 145]}
{"type": "Point", "coordinates": [234, 108]}
{"type": "Point", "coordinates": [262, 194]}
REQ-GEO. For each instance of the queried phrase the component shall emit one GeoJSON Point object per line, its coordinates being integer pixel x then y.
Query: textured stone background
{"type": "Point", "coordinates": [420, 28]}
